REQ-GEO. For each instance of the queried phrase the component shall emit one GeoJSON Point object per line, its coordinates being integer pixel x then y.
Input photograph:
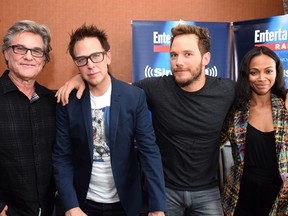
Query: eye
{"type": "Point", "coordinates": [269, 71]}
{"type": "Point", "coordinates": [81, 60]}
{"type": "Point", "coordinates": [173, 55]}
{"type": "Point", "coordinates": [188, 54]}
{"type": "Point", "coordinates": [20, 48]}
{"type": "Point", "coordinates": [38, 51]}
{"type": "Point", "coordinates": [253, 73]}
{"type": "Point", "coordinates": [96, 55]}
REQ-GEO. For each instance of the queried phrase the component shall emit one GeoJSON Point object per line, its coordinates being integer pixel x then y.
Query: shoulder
{"type": "Point", "coordinates": [221, 85]}
{"type": "Point", "coordinates": [278, 102]}
{"type": "Point", "coordinates": [123, 88]}
{"type": "Point", "coordinates": [221, 81]}
{"type": "Point", "coordinates": [119, 84]}
{"type": "Point", "coordinates": [42, 90]}
{"type": "Point", "coordinates": [155, 82]}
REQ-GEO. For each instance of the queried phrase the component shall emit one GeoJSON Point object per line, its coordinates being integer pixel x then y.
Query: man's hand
{"type": "Point", "coordinates": [75, 212]}
{"type": "Point", "coordinates": [156, 213]}
{"type": "Point", "coordinates": [4, 211]}
{"type": "Point", "coordinates": [75, 82]}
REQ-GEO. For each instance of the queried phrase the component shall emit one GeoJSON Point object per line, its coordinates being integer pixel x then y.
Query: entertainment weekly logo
{"type": "Point", "coordinates": [158, 72]}
{"type": "Point", "coordinates": [275, 40]}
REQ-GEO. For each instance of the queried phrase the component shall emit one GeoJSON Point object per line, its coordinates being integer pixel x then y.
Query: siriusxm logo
{"type": "Point", "coordinates": [286, 73]}
{"type": "Point", "coordinates": [156, 72]}
{"type": "Point", "coordinates": [211, 71]}
{"type": "Point", "coordinates": [284, 59]}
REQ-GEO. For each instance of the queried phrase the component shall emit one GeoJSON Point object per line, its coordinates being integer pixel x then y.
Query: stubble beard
{"type": "Point", "coordinates": [182, 83]}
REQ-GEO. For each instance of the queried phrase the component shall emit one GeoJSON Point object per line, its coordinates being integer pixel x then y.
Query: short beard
{"type": "Point", "coordinates": [187, 82]}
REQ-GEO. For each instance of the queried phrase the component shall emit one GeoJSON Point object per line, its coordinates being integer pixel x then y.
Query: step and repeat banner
{"type": "Point", "coordinates": [151, 45]}
{"type": "Point", "coordinates": [271, 32]}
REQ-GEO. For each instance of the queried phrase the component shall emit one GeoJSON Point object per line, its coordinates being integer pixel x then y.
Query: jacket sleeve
{"type": "Point", "coordinates": [149, 156]}
{"type": "Point", "coordinates": [62, 161]}
{"type": "Point", "coordinates": [224, 132]}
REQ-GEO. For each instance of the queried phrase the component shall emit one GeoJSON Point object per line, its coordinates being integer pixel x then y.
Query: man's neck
{"type": "Point", "coordinates": [25, 86]}
{"type": "Point", "coordinates": [196, 85]}
{"type": "Point", "coordinates": [101, 88]}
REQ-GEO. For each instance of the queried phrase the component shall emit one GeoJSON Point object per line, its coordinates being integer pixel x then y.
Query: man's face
{"type": "Point", "coordinates": [94, 73]}
{"type": "Point", "coordinates": [25, 66]}
{"type": "Point", "coordinates": [187, 63]}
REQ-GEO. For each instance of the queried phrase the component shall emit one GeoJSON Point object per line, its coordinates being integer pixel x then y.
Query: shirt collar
{"type": "Point", "coordinates": [9, 86]}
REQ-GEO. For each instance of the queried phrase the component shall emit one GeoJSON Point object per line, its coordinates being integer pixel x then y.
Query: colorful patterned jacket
{"type": "Point", "coordinates": [235, 131]}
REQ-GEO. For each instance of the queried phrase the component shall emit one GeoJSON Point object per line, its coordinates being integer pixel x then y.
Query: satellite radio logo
{"type": "Point", "coordinates": [211, 71]}
{"type": "Point", "coordinates": [156, 72]}
{"type": "Point", "coordinates": [286, 75]}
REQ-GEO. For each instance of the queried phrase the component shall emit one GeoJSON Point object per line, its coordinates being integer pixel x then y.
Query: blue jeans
{"type": "Point", "coordinates": [194, 203]}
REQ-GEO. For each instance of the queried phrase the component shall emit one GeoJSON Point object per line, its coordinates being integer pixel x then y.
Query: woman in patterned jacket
{"type": "Point", "coordinates": [257, 130]}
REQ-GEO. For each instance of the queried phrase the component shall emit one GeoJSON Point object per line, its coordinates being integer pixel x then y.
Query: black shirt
{"type": "Point", "coordinates": [27, 135]}
{"type": "Point", "coordinates": [187, 127]}
{"type": "Point", "coordinates": [261, 181]}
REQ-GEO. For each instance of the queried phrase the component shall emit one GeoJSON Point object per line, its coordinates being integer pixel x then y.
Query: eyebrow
{"type": "Point", "coordinates": [86, 56]}
{"type": "Point", "coordinates": [269, 67]}
{"type": "Point", "coordinates": [27, 47]}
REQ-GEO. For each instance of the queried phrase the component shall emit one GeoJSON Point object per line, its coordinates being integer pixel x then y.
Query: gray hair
{"type": "Point", "coordinates": [29, 26]}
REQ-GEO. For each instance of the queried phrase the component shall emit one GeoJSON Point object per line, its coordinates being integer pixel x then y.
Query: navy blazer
{"type": "Point", "coordinates": [129, 121]}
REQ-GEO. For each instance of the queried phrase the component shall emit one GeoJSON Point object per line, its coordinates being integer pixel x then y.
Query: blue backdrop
{"type": "Point", "coordinates": [271, 32]}
{"type": "Point", "coordinates": [151, 43]}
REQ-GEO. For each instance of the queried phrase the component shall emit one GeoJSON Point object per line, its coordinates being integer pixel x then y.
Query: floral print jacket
{"type": "Point", "coordinates": [234, 130]}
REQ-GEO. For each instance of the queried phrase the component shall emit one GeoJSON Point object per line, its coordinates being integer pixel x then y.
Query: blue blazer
{"type": "Point", "coordinates": [129, 121]}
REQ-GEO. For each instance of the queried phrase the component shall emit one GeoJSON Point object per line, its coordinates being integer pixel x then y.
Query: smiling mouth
{"type": "Point", "coordinates": [27, 65]}
{"type": "Point", "coordinates": [180, 70]}
{"type": "Point", "coordinates": [260, 86]}
{"type": "Point", "coordinates": [93, 74]}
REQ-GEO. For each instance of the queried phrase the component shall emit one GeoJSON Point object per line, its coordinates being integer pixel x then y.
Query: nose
{"type": "Point", "coordinates": [90, 64]}
{"type": "Point", "coordinates": [179, 61]}
{"type": "Point", "coordinates": [262, 76]}
{"type": "Point", "coordinates": [28, 54]}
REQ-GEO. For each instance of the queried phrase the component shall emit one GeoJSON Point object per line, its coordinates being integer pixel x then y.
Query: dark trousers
{"type": "Point", "coordinates": [103, 209]}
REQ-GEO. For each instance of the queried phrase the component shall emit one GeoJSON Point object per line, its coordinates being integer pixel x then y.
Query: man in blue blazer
{"type": "Point", "coordinates": [96, 166]}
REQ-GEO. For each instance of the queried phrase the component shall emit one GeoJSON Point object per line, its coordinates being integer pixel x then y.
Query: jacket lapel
{"type": "Point", "coordinates": [86, 107]}
{"type": "Point", "coordinates": [241, 119]}
{"type": "Point", "coordinates": [114, 110]}
{"type": "Point", "coordinates": [280, 118]}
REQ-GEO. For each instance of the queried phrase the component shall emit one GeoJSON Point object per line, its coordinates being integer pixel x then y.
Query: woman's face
{"type": "Point", "coordinates": [262, 74]}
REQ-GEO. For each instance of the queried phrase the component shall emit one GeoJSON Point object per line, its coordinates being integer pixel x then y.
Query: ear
{"type": "Point", "coordinates": [206, 58]}
{"type": "Point", "coordinates": [5, 55]}
{"type": "Point", "coordinates": [108, 57]}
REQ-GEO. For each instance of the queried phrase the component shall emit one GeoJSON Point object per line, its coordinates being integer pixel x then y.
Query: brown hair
{"type": "Point", "coordinates": [203, 34]}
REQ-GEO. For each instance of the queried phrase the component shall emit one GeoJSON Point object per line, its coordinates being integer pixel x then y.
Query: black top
{"type": "Point", "coordinates": [260, 152]}
{"type": "Point", "coordinates": [187, 127]}
{"type": "Point", "coordinates": [27, 135]}
{"type": "Point", "coordinates": [261, 180]}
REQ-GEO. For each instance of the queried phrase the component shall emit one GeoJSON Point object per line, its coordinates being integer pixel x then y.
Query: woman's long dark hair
{"type": "Point", "coordinates": [243, 91]}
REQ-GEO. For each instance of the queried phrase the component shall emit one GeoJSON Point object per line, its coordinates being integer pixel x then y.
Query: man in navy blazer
{"type": "Point", "coordinates": [96, 166]}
